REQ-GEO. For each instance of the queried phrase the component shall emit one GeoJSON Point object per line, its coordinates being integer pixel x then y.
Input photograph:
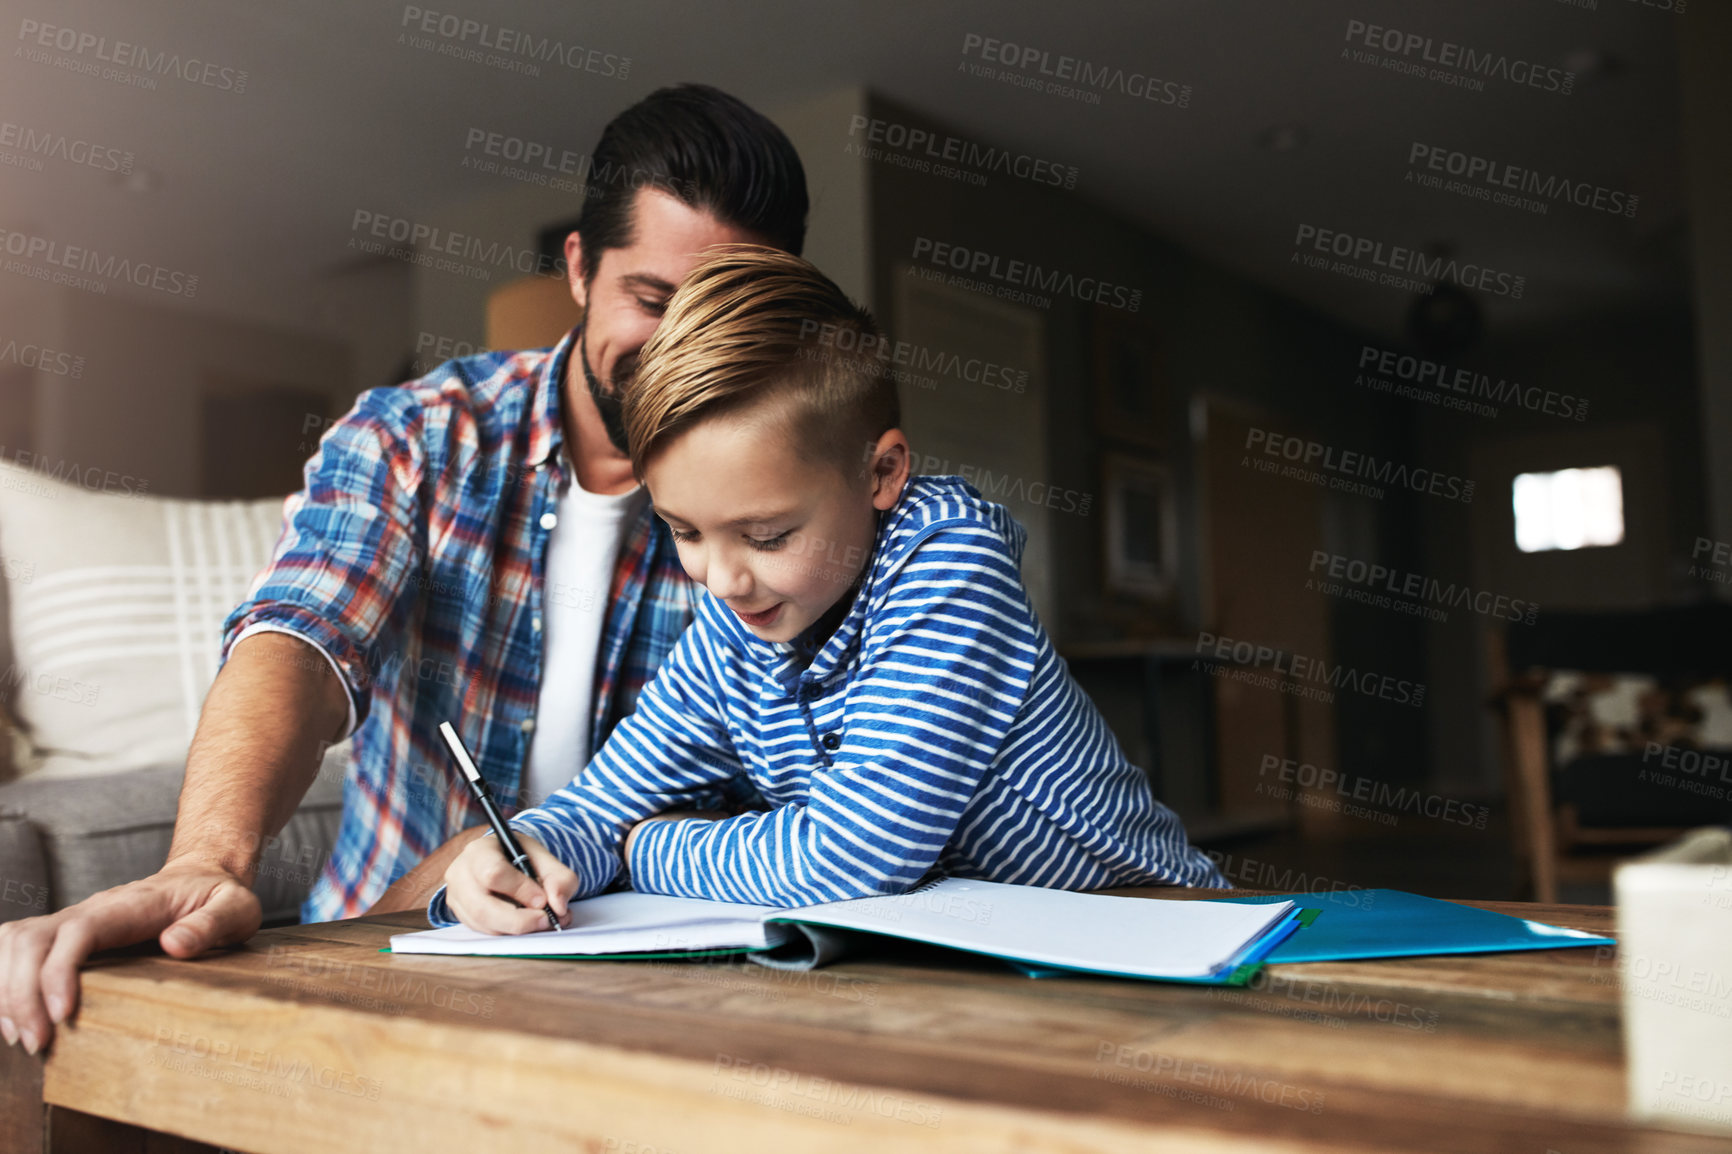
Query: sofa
{"type": "Point", "coordinates": [110, 615]}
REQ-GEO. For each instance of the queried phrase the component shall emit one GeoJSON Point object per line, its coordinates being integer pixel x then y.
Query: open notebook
{"type": "Point", "coordinates": [1036, 929]}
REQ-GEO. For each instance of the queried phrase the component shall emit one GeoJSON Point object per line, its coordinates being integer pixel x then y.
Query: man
{"type": "Point", "coordinates": [470, 547]}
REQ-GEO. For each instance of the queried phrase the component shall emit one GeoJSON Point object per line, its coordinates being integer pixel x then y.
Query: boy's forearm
{"type": "Point", "coordinates": [733, 863]}
{"type": "Point", "coordinates": [763, 859]}
{"type": "Point", "coordinates": [272, 712]}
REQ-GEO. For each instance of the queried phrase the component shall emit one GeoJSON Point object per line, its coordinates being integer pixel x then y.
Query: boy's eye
{"type": "Point", "coordinates": [775, 542]}
{"type": "Point", "coordinates": [658, 307]}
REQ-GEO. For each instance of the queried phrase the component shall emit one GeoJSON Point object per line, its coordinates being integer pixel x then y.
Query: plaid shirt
{"type": "Point", "coordinates": [415, 557]}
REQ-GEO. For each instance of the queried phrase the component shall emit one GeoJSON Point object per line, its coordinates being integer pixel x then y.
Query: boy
{"type": "Point", "coordinates": [866, 654]}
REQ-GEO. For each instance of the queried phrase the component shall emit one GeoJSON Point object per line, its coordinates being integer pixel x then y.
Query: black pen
{"type": "Point", "coordinates": [519, 859]}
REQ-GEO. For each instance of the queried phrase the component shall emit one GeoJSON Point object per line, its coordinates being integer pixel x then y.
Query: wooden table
{"type": "Point", "coordinates": [309, 1039]}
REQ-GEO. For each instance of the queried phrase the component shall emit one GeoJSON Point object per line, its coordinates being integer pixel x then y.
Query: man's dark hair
{"type": "Point", "coordinates": [706, 148]}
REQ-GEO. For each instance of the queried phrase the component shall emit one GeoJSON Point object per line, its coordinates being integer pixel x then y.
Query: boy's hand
{"type": "Point", "coordinates": [485, 893]}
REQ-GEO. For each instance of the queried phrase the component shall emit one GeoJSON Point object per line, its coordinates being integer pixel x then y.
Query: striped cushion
{"type": "Point", "coordinates": [116, 604]}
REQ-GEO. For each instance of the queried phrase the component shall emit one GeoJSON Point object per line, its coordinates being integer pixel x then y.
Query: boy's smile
{"type": "Point", "coordinates": [777, 538]}
{"type": "Point", "coordinates": [761, 620]}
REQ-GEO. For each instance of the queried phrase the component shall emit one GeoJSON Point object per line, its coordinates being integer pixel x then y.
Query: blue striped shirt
{"type": "Point", "coordinates": [936, 728]}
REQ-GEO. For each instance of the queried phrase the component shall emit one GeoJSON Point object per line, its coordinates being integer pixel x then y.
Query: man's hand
{"type": "Point", "coordinates": [188, 908]}
{"type": "Point", "coordinates": [485, 893]}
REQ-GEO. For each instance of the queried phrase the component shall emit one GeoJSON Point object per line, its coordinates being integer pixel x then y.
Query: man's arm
{"type": "Point", "coordinates": [270, 715]}
{"type": "Point", "coordinates": [265, 723]}
{"type": "Point", "coordinates": [416, 888]}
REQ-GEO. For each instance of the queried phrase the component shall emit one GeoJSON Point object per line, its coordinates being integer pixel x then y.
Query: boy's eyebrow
{"type": "Point", "coordinates": [648, 282]}
{"type": "Point", "coordinates": [748, 519]}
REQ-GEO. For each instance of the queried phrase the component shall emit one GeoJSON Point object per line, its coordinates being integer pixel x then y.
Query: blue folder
{"type": "Point", "coordinates": [1396, 924]}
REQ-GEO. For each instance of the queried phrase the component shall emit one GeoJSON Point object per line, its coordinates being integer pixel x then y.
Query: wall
{"type": "Point", "coordinates": [1703, 44]}
{"type": "Point", "coordinates": [135, 410]}
{"type": "Point", "coordinates": [1220, 336]}
{"type": "Point", "coordinates": [1637, 372]}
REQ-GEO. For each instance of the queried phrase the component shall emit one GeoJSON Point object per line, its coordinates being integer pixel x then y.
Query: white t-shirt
{"type": "Point", "coordinates": [582, 548]}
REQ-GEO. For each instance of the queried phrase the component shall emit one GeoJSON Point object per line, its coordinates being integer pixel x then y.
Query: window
{"type": "Point", "coordinates": [1568, 509]}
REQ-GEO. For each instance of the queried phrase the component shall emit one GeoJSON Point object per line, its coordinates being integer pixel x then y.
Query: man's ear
{"type": "Point", "coordinates": [574, 269]}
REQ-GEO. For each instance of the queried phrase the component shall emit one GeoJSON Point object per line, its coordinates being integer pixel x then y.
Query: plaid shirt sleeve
{"type": "Point", "coordinates": [351, 538]}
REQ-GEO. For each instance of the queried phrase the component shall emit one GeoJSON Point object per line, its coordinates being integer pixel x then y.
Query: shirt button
{"type": "Point", "coordinates": [549, 520]}
{"type": "Point", "coordinates": [527, 725]}
{"type": "Point", "coordinates": [831, 741]}
{"type": "Point", "coordinates": [535, 624]}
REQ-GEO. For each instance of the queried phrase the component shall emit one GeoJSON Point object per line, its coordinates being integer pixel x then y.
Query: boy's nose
{"type": "Point", "coordinates": [730, 580]}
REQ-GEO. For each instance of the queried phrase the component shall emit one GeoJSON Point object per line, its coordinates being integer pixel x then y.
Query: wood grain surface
{"type": "Point", "coordinates": [309, 1038]}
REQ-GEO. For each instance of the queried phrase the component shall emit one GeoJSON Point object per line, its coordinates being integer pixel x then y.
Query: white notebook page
{"type": "Point", "coordinates": [1135, 936]}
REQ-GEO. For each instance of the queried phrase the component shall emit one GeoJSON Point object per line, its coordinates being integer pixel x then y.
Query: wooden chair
{"type": "Point", "coordinates": [1554, 841]}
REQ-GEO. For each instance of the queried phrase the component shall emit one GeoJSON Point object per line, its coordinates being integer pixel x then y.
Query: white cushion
{"type": "Point", "coordinates": [116, 630]}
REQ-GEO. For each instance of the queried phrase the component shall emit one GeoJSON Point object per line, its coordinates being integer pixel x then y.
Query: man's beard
{"type": "Point", "coordinates": [608, 404]}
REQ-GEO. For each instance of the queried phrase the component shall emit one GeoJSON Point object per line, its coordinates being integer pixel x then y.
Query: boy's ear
{"type": "Point", "coordinates": [888, 464]}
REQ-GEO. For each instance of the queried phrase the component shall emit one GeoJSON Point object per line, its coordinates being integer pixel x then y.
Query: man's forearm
{"type": "Point", "coordinates": [266, 724]}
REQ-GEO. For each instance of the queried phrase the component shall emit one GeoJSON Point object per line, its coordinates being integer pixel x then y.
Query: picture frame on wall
{"type": "Point", "coordinates": [1141, 527]}
{"type": "Point", "coordinates": [1130, 382]}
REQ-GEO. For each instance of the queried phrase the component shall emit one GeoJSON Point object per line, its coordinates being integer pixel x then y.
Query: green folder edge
{"type": "Point", "coordinates": [680, 955]}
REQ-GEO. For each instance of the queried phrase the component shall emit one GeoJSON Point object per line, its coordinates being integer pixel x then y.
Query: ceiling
{"type": "Point", "coordinates": [255, 191]}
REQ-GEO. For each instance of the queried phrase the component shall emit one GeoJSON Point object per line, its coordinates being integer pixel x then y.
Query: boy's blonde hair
{"type": "Point", "coordinates": [750, 324]}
